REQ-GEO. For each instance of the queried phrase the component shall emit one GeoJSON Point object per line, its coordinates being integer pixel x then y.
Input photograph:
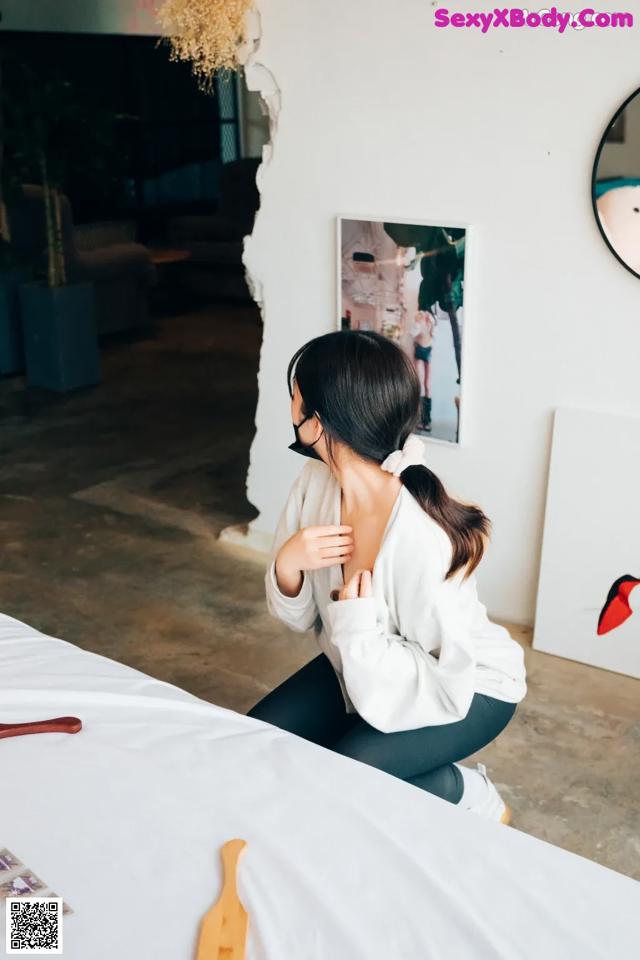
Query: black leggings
{"type": "Point", "coordinates": [310, 705]}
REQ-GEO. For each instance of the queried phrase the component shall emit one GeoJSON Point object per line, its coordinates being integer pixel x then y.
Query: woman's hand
{"type": "Point", "coordinates": [358, 586]}
{"type": "Point", "coordinates": [311, 549]}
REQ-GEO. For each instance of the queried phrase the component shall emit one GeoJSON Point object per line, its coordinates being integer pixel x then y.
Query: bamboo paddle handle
{"type": "Point", "coordinates": [230, 855]}
{"type": "Point", "coordinates": [57, 725]}
{"type": "Point", "coordinates": [223, 931]}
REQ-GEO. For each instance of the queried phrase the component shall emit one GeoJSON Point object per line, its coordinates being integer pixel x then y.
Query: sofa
{"type": "Point", "coordinates": [214, 269]}
{"type": "Point", "coordinates": [105, 254]}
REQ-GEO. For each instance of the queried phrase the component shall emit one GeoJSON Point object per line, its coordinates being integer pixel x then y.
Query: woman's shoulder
{"type": "Point", "coordinates": [419, 536]}
{"type": "Point", "coordinates": [421, 523]}
{"type": "Point", "coordinates": [315, 471]}
{"type": "Point", "coordinates": [314, 477]}
{"type": "Point", "coordinates": [422, 553]}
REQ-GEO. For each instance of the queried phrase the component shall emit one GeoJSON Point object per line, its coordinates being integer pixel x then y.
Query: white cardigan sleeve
{"type": "Point", "coordinates": [299, 612]}
{"type": "Point", "coordinates": [423, 676]}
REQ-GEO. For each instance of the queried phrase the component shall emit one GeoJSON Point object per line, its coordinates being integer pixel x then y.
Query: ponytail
{"type": "Point", "coordinates": [466, 525]}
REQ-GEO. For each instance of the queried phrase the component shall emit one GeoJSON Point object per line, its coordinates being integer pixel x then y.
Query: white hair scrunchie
{"type": "Point", "coordinates": [412, 454]}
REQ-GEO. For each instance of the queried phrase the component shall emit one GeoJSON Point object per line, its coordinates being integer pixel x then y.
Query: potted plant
{"type": "Point", "coordinates": [14, 271]}
{"type": "Point", "coordinates": [44, 132]}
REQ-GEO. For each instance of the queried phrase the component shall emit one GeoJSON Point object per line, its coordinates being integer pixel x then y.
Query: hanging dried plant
{"type": "Point", "coordinates": [208, 33]}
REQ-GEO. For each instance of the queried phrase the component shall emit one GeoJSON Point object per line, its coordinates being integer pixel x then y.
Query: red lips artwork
{"type": "Point", "coordinates": [617, 609]}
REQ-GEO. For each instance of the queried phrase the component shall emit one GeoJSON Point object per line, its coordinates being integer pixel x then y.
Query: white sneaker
{"type": "Point", "coordinates": [484, 799]}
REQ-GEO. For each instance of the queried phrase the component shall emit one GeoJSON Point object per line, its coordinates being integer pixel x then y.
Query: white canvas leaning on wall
{"type": "Point", "coordinates": [406, 280]}
{"type": "Point", "coordinates": [588, 605]}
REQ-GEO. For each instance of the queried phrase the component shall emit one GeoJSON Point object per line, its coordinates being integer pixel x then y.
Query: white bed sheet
{"type": "Point", "coordinates": [125, 820]}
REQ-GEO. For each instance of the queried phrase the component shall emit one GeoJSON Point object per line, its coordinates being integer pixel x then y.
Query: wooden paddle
{"type": "Point", "coordinates": [223, 932]}
{"type": "Point", "coordinates": [57, 725]}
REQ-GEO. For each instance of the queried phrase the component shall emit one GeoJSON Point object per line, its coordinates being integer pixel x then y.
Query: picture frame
{"type": "Point", "coordinates": [383, 284]}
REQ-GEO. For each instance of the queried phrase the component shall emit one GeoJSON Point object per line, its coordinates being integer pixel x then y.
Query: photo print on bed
{"type": "Point", "coordinates": [16, 880]}
{"type": "Point", "coordinates": [407, 282]}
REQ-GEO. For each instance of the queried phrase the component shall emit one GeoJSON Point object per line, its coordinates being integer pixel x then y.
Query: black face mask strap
{"type": "Point", "coordinates": [306, 449]}
{"type": "Point", "coordinates": [318, 438]}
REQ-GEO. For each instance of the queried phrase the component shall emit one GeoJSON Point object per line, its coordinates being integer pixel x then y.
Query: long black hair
{"type": "Point", "coordinates": [366, 392]}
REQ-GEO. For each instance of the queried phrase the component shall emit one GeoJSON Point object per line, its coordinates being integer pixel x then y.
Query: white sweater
{"type": "Point", "coordinates": [415, 652]}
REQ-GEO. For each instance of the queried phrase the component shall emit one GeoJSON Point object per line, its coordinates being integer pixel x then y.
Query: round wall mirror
{"type": "Point", "coordinates": [616, 184]}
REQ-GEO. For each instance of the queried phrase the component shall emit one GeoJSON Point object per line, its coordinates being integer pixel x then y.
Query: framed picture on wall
{"type": "Point", "coordinates": [406, 280]}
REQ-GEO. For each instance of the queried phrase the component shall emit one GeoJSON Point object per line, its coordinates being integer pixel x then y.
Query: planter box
{"type": "Point", "coordinates": [60, 336]}
{"type": "Point", "coordinates": [11, 352]}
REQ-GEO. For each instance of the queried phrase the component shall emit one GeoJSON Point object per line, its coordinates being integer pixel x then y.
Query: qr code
{"type": "Point", "coordinates": [34, 925]}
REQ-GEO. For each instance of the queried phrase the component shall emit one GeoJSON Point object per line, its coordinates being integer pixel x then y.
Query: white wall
{"type": "Point", "coordinates": [384, 114]}
{"type": "Point", "coordinates": [81, 16]}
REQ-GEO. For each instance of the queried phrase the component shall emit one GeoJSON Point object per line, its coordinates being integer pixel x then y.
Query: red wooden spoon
{"type": "Point", "coordinates": [57, 725]}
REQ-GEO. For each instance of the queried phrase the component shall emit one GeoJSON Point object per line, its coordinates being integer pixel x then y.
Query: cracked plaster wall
{"type": "Point", "coordinates": [375, 112]}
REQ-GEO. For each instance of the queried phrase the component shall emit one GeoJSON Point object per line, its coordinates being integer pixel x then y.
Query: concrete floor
{"type": "Point", "coordinates": [110, 504]}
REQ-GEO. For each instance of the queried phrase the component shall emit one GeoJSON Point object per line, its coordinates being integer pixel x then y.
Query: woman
{"type": "Point", "coordinates": [422, 338]}
{"type": "Point", "coordinates": [372, 553]}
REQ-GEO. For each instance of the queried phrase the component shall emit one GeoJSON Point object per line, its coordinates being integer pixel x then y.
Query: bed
{"type": "Point", "coordinates": [125, 820]}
